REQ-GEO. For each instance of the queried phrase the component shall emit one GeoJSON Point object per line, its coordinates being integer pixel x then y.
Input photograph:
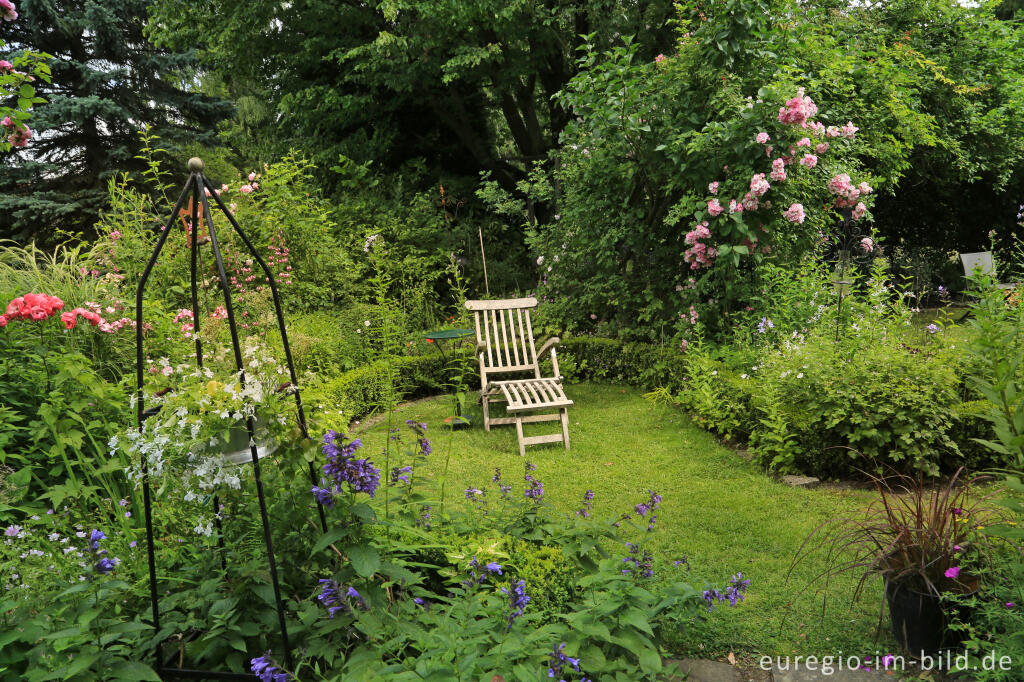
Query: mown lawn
{"type": "Point", "coordinates": [720, 511]}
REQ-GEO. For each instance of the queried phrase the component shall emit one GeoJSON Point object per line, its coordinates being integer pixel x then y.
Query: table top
{"type": "Point", "coordinates": [445, 334]}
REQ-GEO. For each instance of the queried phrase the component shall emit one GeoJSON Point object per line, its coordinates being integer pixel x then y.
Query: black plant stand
{"type": "Point", "coordinates": [195, 186]}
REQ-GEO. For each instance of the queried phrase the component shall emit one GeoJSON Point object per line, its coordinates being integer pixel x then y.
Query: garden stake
{"type": "Point", "coordinates": [195, 185]}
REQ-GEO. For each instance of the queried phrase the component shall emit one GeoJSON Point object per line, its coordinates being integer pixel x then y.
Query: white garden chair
{"type": "Point", "coordinates": [504, 346]}
{"type": "Point", "coordinates": [984, 262]}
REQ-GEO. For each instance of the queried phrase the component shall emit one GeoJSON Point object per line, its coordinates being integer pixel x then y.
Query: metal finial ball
{"type": "Point", "coordinates": [195, 165]}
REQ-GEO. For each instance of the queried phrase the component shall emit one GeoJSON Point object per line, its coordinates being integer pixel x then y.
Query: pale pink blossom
{"type": "Point", "coordinates": [245, 189]}
{"type": "Point", "coordinates": [7, 10]}
{"type": "Point", "coordinates": [699, 232]}
{"type": "Point", "coordinates": [798, 110]}
{"type": "Point", "coordinates": [20, 137]}
{"type": "Point", "coordinates": [735, 207]}
{"type": "Point", "coordinates": [849, 130]}
{"type": "Point", "coordinates": [762, 138]}
{"type": "Point", "coordinates": [750, 202]}
{"type": "Point", "coordinates": [6, 66]}
{"type": "Point", "coordinates": [821, 147]}
{"type": "Point", "coordinates": [758, 185]}
{"type": "Point", "coordinates": [832, 131]}
{"type": "Point", "coordinates": [252, 176]}
{"type": "Point", "coordinates": [864, 188]}
{"type": "Point", "coordinates": [804, 142]}
{"type": "Point", "coordinates": [859, 211]}
{"type": "Point", "coordinates": [778, 173]}
{"type": "Point", "coordinates": [817, 128]}
{"type": "Point", "coordinates": [715, 208]}
{"type": "Point", "coordinates": [843, 188]}
{"type": "Point", "coordinates": [809, 160]}
{"type": "Point", "coordinates": [660, 58]}
{"type": "Point", "coordinates": [713, 187]}
{"type": "Point", "coordinates": [794, 214]}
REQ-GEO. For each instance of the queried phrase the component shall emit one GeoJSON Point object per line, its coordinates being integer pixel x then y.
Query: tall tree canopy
{"type": "Point", "coordinates": [108, 82]}
{"type": "Point", "coordinates": [467, 85]}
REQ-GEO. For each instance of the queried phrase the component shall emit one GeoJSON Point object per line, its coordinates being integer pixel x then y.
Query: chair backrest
{"type": "Point", "coordinates": [505, 329]}
{"type": "Point", "coordinates": [981, 259]}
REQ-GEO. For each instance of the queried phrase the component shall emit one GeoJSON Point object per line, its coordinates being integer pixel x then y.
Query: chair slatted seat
{"type": "Point", "coordinates": [505, 345]}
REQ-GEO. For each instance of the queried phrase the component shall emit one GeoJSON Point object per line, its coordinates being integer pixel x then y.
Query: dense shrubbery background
{"type": "Point", "coordinates": [597, 155]}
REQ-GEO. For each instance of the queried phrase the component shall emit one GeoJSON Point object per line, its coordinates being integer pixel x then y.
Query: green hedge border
{"type": "Point", "coordinates": [358, 392]}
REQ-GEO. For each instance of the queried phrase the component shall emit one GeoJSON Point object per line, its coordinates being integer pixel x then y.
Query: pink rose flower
{"type": "Point", "coordinates": [867, 244]}
{"type": "Point", "coordinates": [245, 189]}
{"type": "Point", "coordinates": [6, 66]}
{"type": "Point", "coordinates": [821, 148]}
{"type": "Point", "coordinates": [715, 208]}
{"type": "Point", "coordinates": [804, 142]}
{"type": "Point", "coordinates": [809, 160]}
{"type": "Point", "coordinates": [762, 138]}
{"type": "Point", "coordinates": [660, 58]}
{"type": "Point", "coordinates": [859, 211]}
{"type": "Point", "coordinates": [794, 214]}
{"type": "Point", "coordinates": [7, 10]}
{"type": "Point", "coordinates": [778, 173]}
{"type": "Point", "coordinates": [20, 137]}
{"type": "Point", "coordinates": [713, 187]}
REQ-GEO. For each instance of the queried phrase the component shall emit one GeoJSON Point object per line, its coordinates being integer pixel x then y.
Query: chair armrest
{"type": "Point", "coordinates": [480, 348]}
{"type": "Point", "coordinates": [549, 344]}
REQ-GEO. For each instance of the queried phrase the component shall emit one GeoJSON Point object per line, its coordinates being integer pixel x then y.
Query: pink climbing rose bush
{"type": "Point", "coordinates": [807, 177]}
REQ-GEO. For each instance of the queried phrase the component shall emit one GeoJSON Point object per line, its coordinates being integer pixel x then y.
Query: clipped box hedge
{"type": "Point", "coordinates": [636, 364]}
{"type": "Point", "coordinates": [361, 391]}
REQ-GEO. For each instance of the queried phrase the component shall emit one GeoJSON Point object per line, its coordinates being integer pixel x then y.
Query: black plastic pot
{"type": "Point", "coordinates": [920, 621]}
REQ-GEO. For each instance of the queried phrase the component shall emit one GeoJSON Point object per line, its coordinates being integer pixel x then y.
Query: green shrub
{"type": "Point", "coordinates": [637, 364]}
{"type": "Point", "coordinates": [361, 391]}
{"type": "Point", "coordinates": [551, 575]}
{"type": "Point", "coordinates": [970, 423]}
{"type": "Point", "coordinates": [718, 397]}
{"type": "Point", "coordinates": [867, 398]}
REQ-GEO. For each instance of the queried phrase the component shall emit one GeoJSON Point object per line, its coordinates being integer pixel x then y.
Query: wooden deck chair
{"type": "Point", "coordinates": [504, 346]}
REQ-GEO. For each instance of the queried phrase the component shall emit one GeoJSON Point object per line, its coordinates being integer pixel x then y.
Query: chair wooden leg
{"type": "Point", "coordinates": [519, 434]}
{"type": "Point", "coordinates": [565, 427]}
{"type": "Point", "coordinates": [487, 417]}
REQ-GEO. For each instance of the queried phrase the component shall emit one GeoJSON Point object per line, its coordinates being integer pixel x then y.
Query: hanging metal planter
{"type": "Point", "coordinates": [237, 449]}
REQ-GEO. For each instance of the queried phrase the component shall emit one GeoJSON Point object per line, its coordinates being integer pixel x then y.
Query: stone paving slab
{"type": "Point", "coordinates": [804, 675]}
{"type": "Point", "coordinates": [698, 670]}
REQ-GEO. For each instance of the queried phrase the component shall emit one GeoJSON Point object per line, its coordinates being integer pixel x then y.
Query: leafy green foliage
{"type": "Point", "coordinates": [108, 80]}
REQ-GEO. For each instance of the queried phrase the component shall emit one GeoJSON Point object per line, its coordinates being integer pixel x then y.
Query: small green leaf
{"type": "Point", "coordinates": [133, 670]}
{"type": "Point", "coordinates": [365, 559]}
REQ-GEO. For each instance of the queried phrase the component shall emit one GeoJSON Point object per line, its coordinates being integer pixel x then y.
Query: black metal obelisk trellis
{"type": "Point", "coordinates": [846, 248]}
{"type": "Point", "coordinates": [198, 186]}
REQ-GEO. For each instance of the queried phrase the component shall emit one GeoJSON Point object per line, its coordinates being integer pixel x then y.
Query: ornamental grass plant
{"type": "Point", "coordinates": [916, 534]}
